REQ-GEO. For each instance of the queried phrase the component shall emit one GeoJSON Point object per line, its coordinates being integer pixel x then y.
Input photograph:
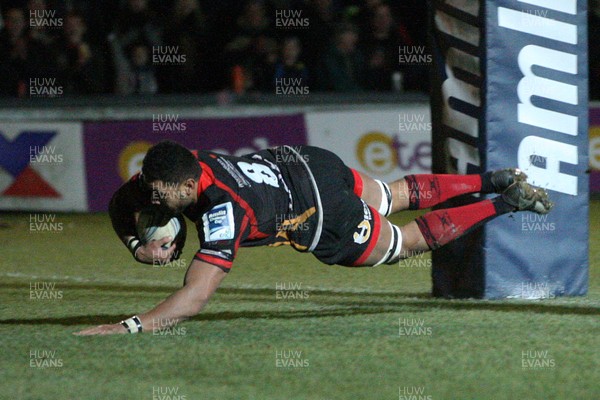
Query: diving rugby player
{"type": "Point", "coordinates": [307, 198]}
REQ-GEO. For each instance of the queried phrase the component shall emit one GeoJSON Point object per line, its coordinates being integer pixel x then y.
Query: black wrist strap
{"type": "Point", "coordinates": [133, 324]}
{"type": "Point", "coordinates": [133, 245]}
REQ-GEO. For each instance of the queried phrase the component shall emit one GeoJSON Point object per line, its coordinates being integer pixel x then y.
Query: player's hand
{"type": "Point", "coordinates": [112, 329]}
{"type": "Point", "coordinates": [153, 253]}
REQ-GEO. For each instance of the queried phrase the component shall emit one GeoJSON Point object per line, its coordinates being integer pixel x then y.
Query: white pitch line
{"type": "Point", "coordinates": [80, 279]}
{"type": "Point", "coordinates": [580, 301]}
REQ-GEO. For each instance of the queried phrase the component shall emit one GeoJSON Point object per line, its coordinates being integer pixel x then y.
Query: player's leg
{"type": "Point", "coordinates": [421, 191]}
{"type": "Point", "coordinates": [355, 233]}
{"type": "Point", "coordinates": [440, 227]}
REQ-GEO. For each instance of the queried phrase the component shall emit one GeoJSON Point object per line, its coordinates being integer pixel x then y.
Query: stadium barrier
{"type": "Point", "coordinates": [115, 150]}
{"type": "Point", "coordinates": [46, 165]}
{"type": "Point", "coordinates": [510, 88]}
{"type": "Point", "coordinates": [42, 166]}
{"type": "Point", "coordinates": [386, 144]}
{"type": "Point", "coordinates": [386, 140]}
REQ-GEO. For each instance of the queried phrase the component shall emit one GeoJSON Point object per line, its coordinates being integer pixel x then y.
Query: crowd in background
{"type": "Point", "coordinates": [198, 46]}
{"type": "Point", "coordinates": [131, 47]}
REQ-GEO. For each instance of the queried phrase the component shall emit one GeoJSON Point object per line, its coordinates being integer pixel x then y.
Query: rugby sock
{"type": "Point", "coordinates": [427, 190]}
{"type": "Point", "coordinates": [440, 227]}
{"type": "Point", "coordinates": [486, 182]}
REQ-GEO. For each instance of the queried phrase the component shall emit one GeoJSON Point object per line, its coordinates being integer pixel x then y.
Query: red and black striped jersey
{"type": "Point", "coordinates": [265, 198]}
{"type": "Point", "coordinates": [262, 198]}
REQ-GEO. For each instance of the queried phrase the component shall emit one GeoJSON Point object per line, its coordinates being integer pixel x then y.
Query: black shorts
{"type": "Point", "coordinates": [350, 227]}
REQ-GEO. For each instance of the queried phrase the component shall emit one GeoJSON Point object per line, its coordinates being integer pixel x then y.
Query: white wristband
{"type": "Point", "coordinates": [133, 324]}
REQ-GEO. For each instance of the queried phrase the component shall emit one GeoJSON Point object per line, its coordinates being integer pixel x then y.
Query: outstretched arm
{"type": "Point", "coordinates": [201, 281]}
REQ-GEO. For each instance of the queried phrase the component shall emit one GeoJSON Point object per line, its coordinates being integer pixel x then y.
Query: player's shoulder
{"type": "Point", "coordinates": [207, 156]}
{"type": "Point", "coordinates": [212, 156]}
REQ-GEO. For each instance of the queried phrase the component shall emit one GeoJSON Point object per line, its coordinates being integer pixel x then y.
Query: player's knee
{"type": "Point", "coordinates": [385, 207]}
{"type": "Point", "coordinates": [411, 241]}
{"type": "Point", "coordinates": [395, 247]}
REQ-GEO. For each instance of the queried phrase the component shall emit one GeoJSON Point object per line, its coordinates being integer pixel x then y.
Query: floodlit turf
{"type": "Point", "coordinates": [338, 338]}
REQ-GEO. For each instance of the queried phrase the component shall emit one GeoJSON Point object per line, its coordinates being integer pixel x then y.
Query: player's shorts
{"type": "Point", "coordinates": [350, 227]}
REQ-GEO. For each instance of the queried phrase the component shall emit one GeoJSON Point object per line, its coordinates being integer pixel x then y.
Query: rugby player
{"type": "Point", "coordinates": [305, 197]}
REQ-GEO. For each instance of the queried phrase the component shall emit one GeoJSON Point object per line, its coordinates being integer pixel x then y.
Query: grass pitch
{"type": "Point", "coordinates": [283, 326]}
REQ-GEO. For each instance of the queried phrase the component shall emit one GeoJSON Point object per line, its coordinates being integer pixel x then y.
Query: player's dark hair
{"type": "Point", "coordinates": [170, 162]}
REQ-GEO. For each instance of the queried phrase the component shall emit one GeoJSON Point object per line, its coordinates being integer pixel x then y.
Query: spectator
{"type": "Point", "coordinates": [42, 32]}
{"type": "Point", "coordinates": [21, 57]}
{"type": "Point", "coordinates": [186, 29]}
{"type": "Point", "coordinates": [381, 44]}
{"type": "Point", "coordinates": [344, 63]}
{"type": "Point", "coordinates": [142, 79]}
{"type": "Point", "coordinates": [322, 19]}
{"type": "Point", "coordinates": [222, 42]}
{"type": "Point", "coordinates": [80, 65]}
{"type": "Point", "coordinates": [134, 70]}
{"type": "Point", "coordinates": [250, 25]}
{"type": "Point", "coordinates": [99, 16]}
{"type": "Point", "coordinates": [411, 20]}
{"type": "Point", "coordinates": [136, 22]}
{"type": "Point", "coordinates": [259, 66]}
{"type": "Point", "coordinates": [290, 66]}
{"type": "Point", "coordinates": [365, 13]}
{"type": "Point", "coordinates": [253, 48]}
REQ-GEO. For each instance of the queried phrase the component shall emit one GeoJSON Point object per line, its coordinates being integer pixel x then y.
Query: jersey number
{"type": "Point", "coordinates": [259, 173]}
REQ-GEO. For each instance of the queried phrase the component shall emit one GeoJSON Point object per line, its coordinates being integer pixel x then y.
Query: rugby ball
{"type": "Point", "coordinates": [154, 225]}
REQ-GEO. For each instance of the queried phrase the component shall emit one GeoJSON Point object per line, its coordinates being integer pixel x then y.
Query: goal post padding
{"type": "Point", "coordinates": [510, 88]}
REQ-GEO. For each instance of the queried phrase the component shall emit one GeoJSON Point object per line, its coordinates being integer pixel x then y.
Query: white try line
{"type": "Point", "coordinates": [580, 301]}
{"type": "Point", "coordinates": [79, 279]}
